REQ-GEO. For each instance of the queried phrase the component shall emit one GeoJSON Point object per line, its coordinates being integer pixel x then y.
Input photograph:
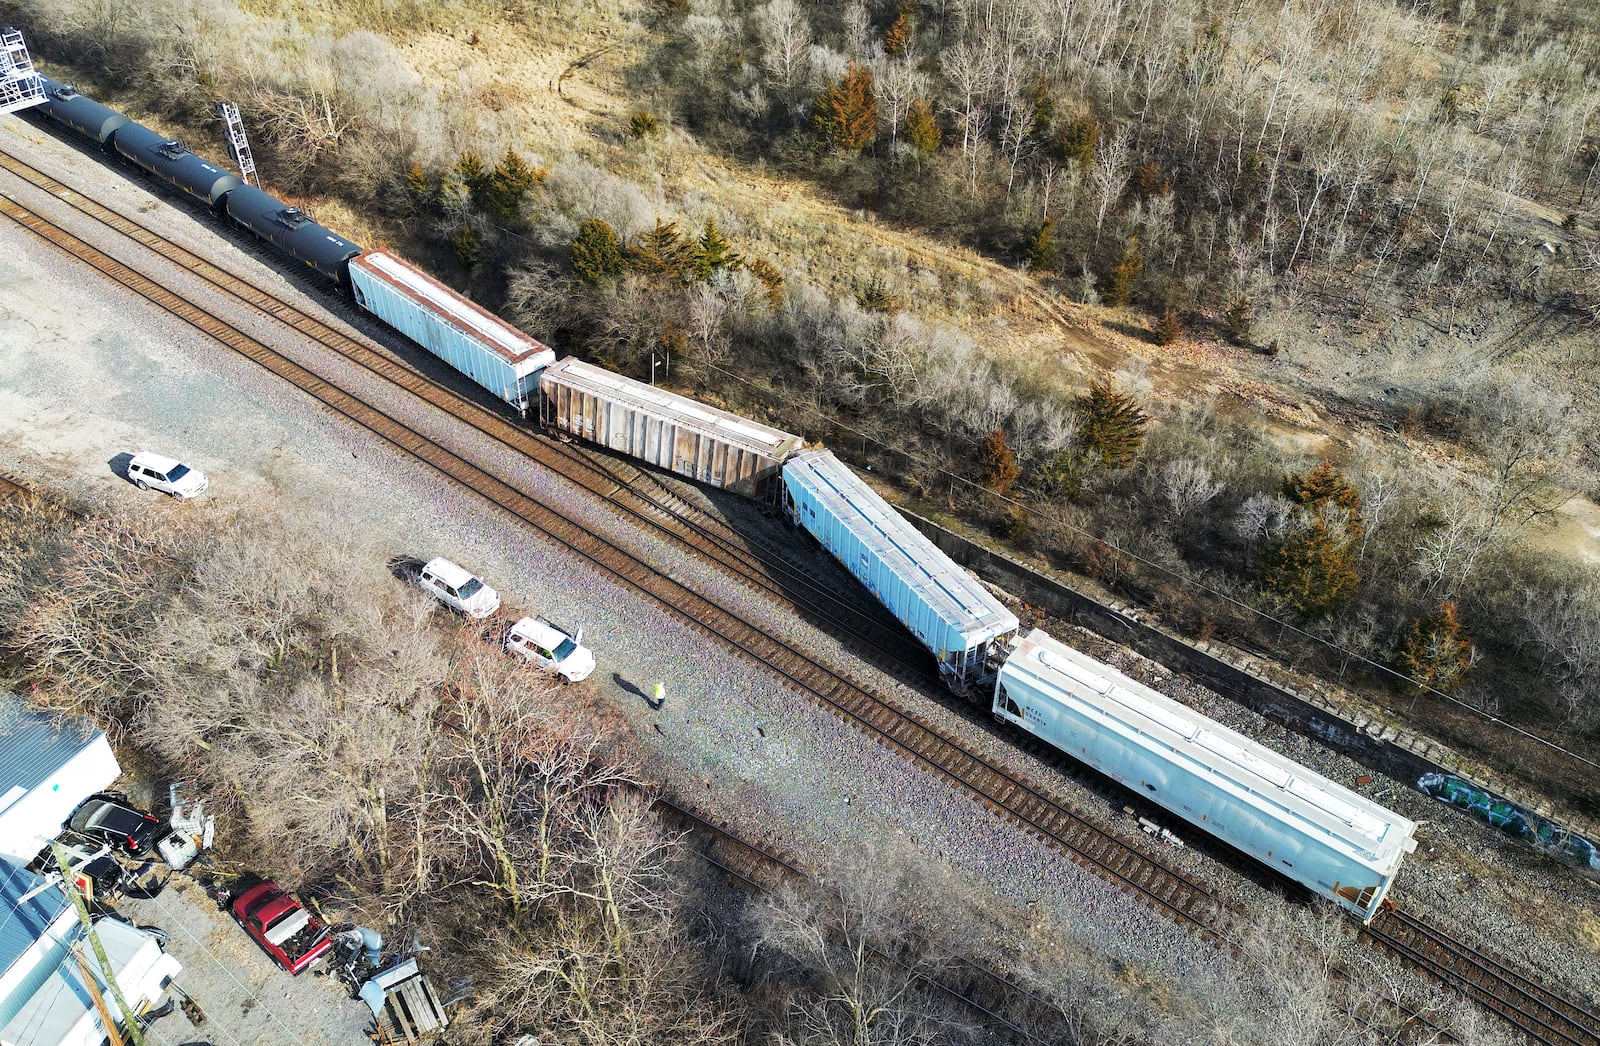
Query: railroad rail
{"type": "Point", "coordinates": [871, 630]}
{"type": "Point", "coordinates": [1545, 1016]}
{"type": "Point", "coordinates": [1002, 792]}
{"type": "Point", "coordinates": [1542, 1013]}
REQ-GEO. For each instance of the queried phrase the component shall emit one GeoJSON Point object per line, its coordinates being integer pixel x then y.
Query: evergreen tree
{"type": "Point", "coordinates": [467, 244]}
{"type": "Point", "coordinates": [1437, 652]}
{"type": "Point", "coordinates": [922, 129]}
{"type": "Point", "coordinates": [643, 124]}
{"type": "Point", "coordinates": [1314, 567]}
{"type": "Point", "coordinates": [1148, 181]}
{"type": "Point", "coordinates": [511, 181]}
{"type": "Point", "coordinates": [712, 253]}
{"type": "Point", "coordinates": [596, 252]}
{"type": "Point", "coordinates": [999, 464]}
{"type": "Point", "coordinates": [1169, 328]}
{"type": "Point", "coordinates": [1112, 426]}
{"type": "Point", "coordinates": [660, 252]}
{"type": "Point", "coordinates": [1077, 140]}
{"type": "Point", "coordinates": [1040, 250]}
{"type": "Point", "coordinates": [846, 113]}
{"type": "Point", "coordinates": [418, 184]}
{"type": "Point", "coordinates": [1237, 320]}
{"type": "Point", "coordinates": [1117, 287]}
{"type": "Point", "coordinates": [770, 278]}
{"type": "Point", "coordinates": [897, 38]}
{"type": "Point", "coordinates": [475, 175]}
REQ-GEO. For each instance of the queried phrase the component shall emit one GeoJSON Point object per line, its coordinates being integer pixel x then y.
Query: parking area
{"type": "Point", "coordinates": [239, 996]}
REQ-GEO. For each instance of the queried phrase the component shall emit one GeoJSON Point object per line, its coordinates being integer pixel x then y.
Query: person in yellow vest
{"type": "Point", "coordinates": [660, 697]}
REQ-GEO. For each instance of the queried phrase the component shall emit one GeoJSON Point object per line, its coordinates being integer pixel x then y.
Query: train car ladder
{"type": "Point", "coordinates": [238, 142]}
{"type": "Point", "coordinates": [20, 86]}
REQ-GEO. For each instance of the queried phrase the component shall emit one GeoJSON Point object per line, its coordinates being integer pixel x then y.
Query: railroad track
{"type": "Point", "coordinates": [866, 627]}
{"type": "Point", "coordinates": [1545, 1016]}
{"type": "Point", "coordinates": [1007, 795]}
{"type": "Point", "coordinates": [1004, 793]}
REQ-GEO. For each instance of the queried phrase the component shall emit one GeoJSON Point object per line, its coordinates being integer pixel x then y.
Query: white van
{"type": "Point", "coordinates": [168, 475]}
{"type": "Point", "coordinates": [458, 589]}
{"type": "Point", "coordinates": [537, 640]}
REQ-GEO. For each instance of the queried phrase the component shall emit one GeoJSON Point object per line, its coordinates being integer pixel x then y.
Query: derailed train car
{"type": "Point", "coordinates": [1290, 818]}
{"type": "Point", "coordinates": [464, 334]}
{"type": "Point", "coordinates": [943, 605]}
{"type": "Point", "coordinates": [663, 429]}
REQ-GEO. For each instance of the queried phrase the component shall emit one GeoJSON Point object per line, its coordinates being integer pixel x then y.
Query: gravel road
{"type": "Point", "coordinates": [90, 371]}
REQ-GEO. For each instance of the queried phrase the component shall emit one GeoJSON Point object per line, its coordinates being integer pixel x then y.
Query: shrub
{"type": "Point", "coordinates": [770, 278]}
{"type": "Point", "coordinates": [1437, 652]}
{"type": "Point", "coordinates": [596, 252]}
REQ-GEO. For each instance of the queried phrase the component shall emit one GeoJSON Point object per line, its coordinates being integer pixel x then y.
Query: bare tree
{"type": "Point", "coordinates": [1110, 175]}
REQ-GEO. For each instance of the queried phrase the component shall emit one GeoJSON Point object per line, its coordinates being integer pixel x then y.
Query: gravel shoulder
{"type": "Point", "coordinates": [90, 371]}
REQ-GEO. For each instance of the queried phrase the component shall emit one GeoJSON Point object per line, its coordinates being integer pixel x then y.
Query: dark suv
{"type": "Point", "coordinates": [108, 818]}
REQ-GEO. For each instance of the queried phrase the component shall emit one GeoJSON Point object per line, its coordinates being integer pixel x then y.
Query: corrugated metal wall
{"type": "Point", "coordinates": [626, 429]}
{"type": "Point", "coordinates": [461, 351]}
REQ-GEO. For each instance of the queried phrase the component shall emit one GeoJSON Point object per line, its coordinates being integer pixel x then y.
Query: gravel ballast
{"type": "Point", "coordinates": [91, 371]}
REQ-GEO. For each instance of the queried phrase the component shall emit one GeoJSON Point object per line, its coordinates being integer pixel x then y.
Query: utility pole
{"type": "Point", "coordinates": [131, 1019]}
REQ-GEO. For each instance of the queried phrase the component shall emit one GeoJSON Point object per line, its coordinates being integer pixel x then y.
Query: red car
{"type": "Point", "coordinates": [282, 926]}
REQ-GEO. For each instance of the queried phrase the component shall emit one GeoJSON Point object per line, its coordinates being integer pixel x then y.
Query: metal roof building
{"type": "Point", "coordinates": [47, 767]}
{"type": "Point", "coordinates": [663, 429]}
{"type": "Point", "coordinates": [1292, 819]}
{"type": "Point", "coordinates": [943, 605]}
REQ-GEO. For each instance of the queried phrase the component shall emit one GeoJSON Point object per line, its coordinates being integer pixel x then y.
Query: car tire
{"type": "Point", "coordinates": [141, 484]}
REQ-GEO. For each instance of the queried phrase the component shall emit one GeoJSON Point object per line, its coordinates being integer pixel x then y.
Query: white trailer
{"type": "Point", "coordinates": [46, 769]}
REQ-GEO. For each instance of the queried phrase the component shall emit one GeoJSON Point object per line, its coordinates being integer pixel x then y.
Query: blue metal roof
{"type": "Point", "coordinates": [34, 746]}
{"type": "Point", "coordinates": [21, 924]}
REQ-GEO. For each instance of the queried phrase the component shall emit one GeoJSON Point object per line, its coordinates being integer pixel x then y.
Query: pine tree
{"type": "Point", "coordinates": [1077, 140]}
{"type": "Point", "coordinates": [770, 278]}
{"type": "Point", "coordinates": [1237, 320]}
{"type": "Point", "coordinates": [475, 175]}
{"type": "Point", "coordinates": [1437, 652]}
{"type": "Point", "coordinates": [1112, 426]}
{"type": "Point", "coordinates": [1169, 328]}
{"type": "Point", "coordinates": [1314, 567]}
{"type": "Point", "coordinates": [1040, 250]}
{"type": "Point", "coordinates": [846, 114]}
{"type": "Point", "coordinates": [999, 464]}
{"type": "Point", "coordinates": [712, 253]}
{"type": "Point", "coordinates": [643, 124]}
{"type": "Point", "coordinates": [418, 184]}
{"type": "Point", "coordinates": [1148, 181]}
{"type": "Point", "coordinates": [897, 38]}
{"type": "Point", "coordinates": [511, 181]}
{"type": "Point", "coordinates": [468, 245]}
{"type": "Point", "coordinates": [660, 252]}
{"type": "Point", "coordinates": [1117, 287]}
{"type": "Point", "coordinates": [596, 252]}
{"type": "Point", "coordinates": [922, 129]}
